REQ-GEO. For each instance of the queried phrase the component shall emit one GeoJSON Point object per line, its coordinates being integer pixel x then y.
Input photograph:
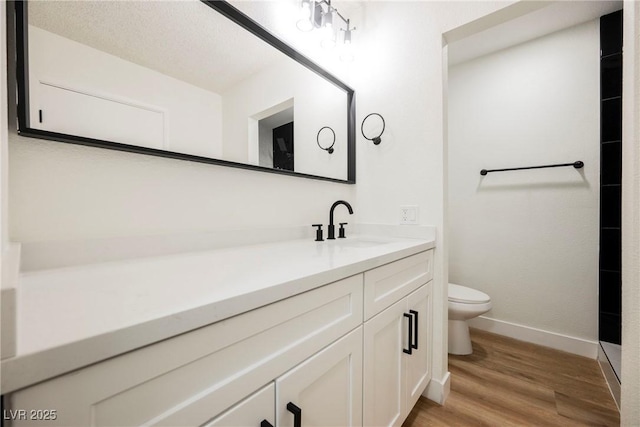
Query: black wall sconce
{"type": "Point", "coordinates": [376, 139]}
{"type": "Point", "coordinates": [329, 149]}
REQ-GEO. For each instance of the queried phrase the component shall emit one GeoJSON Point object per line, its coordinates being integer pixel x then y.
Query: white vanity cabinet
{"type": "Point", "coordinates": [397, 338]}
{"type": "Point", "coordinates": [191, 378]}
{"type": "Point", "coordinates": [334, 352]}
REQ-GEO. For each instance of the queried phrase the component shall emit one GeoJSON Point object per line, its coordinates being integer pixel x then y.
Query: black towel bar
{"type": "Point", "coordinates": [579, 164]}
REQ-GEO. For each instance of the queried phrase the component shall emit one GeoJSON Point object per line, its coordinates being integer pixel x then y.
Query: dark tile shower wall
{"type": "Point", "coordinates": [610, 176]}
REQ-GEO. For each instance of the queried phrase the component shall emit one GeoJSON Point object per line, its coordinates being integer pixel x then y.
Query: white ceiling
{"type": "Point", "coordinates": [186, 40]}
{"type": "Point", "coordinates": [557, 15]}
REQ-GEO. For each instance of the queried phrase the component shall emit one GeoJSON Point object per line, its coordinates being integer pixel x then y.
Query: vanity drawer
{"type": "Point", "coordinates": [387, 284]}
{"type": "Point", "coordinates": [189, 379]}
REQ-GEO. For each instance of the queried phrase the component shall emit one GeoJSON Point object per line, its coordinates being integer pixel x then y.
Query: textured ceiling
{"type": "Point", "coordinates": [186, 40]}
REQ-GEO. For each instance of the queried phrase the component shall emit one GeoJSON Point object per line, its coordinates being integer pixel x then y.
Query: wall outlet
{"type": "Point", "coordinates": [409, 214]}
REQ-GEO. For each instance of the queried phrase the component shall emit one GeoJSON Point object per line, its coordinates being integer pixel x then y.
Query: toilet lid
{"type": "Point", "coordinates": [458, 293]}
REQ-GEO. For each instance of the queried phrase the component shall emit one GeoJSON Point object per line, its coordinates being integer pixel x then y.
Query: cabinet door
{"type": "Point", "coordinates": [327, 387]}
{"type": "Point", "coordinates": [385, 337]}
{"type": "Point", "coordinates": [250, 412]}
{"type": "Point", "coordinates": [418, 363]}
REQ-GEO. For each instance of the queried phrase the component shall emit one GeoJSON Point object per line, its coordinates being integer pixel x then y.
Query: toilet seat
{"type": "Point", "coordinates": [462, 294]}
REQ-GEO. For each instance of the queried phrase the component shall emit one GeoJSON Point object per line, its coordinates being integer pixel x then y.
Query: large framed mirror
{"type": "Point", "coordinates": [191, 80]}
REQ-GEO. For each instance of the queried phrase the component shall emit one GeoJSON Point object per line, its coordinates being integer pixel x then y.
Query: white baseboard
{"type": "Point", "coordinates": [610, 376]}
{"type": "Point", "coordinates": [438, 390]}
{"type": "Point", "coordinates": [554, 340]}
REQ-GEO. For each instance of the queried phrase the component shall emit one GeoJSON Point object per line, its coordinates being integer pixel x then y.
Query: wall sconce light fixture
{"type": "Point", "coordinates": [327, 135]}
{"type": "Point", "coordinates": [319, 14]}
{"type": "Point", "coordinates": [373, 127]}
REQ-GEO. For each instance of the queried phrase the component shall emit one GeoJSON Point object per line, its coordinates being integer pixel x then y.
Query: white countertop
{"type": "Point", "coordinates": [71, 317]}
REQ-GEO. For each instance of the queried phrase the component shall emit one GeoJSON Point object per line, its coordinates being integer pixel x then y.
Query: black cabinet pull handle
{"type": "Point", "coordinates": [410, 317]}
{"type": "Point", "coordinates": [415, 329]}
{"type": "Point", "coordinates": [297, 414]}
{"type": "Point", "coordinates": [265, 423]}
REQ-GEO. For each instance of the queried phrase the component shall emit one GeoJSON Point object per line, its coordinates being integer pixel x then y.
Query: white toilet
{"type": "Point", "coordinates": [464, 304]}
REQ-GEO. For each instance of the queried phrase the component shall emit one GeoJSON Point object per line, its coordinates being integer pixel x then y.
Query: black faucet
{"type": "Point", "coordinates": [332, 229]}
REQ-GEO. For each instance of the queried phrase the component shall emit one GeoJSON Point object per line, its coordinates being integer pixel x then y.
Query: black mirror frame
{"type": "Point", "coordinates": [230, 12]}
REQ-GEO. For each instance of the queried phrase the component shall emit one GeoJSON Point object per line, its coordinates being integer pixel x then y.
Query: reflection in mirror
{"type": "Point", "coordinates": [283, 147]}
{"type": "Point", "coordinates": [272, 127]}
{"type": "Point", "coordinates": [179, 77]}
{"type": "Point", "coordinates": [326, 139]}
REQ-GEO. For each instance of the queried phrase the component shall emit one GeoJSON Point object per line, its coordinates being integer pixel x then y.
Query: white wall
{"type": "Point", "coordinates": [69, 192]}
{"type": "Point", "coordinates": [316, 103]}
{"type": "Point", "coordinates": [192, 115]}
{"type": "Point", "coordinates": [630, 411]}
{"type": "Point", "coordinates": [529, 239]}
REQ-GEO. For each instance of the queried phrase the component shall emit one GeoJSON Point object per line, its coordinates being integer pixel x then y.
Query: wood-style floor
{"type": "Point", "coordinates": [506, 382]}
